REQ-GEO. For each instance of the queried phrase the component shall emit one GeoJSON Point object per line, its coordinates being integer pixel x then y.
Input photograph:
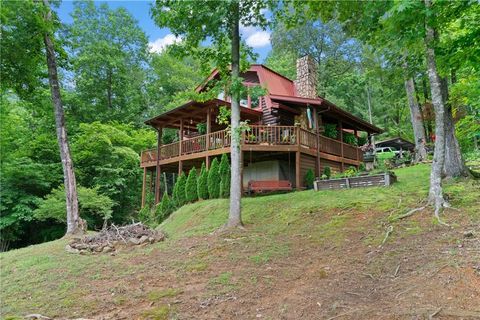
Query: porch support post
{"type": "Point", "coordinates": [298, 180]}
{"type": "Point", "coordinates": [340, 127]}
{"type": "Point", "coordinates": [317, 125]}
{"type": "Point", "coordinates": [144, 185]}
{"type": "Point", "coordinates": [207, 142]}
{"type": "Point", "coordinates": [180, 151]}
{"type": "Point", "coordinates": [157, 177]}
{"type": "Point", "coordinates": [356, 137]}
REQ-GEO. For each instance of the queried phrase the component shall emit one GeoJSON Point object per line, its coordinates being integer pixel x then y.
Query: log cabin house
{"type": "Point", "coordinates": [285, 139]}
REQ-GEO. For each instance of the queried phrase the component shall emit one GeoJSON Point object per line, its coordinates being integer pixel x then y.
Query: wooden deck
{"type": "Point", "coordinates": [259, 138]}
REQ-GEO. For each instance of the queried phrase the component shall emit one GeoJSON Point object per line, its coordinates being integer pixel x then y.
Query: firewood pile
{"type": "Point", "coordinates": [112, 238]}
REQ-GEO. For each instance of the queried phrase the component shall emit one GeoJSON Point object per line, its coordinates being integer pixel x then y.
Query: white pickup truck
{"type": "Point", "coordinates": [387, 149]}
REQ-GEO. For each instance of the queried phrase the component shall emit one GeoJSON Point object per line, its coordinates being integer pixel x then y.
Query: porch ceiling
{"type": "Point", "coordinates": [194, 112]}
{"type": "Point", "coordinates": [329, 109]}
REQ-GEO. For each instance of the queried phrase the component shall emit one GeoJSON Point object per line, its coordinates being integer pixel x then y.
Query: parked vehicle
{"type": "Point", "coordinates": [387, 150]}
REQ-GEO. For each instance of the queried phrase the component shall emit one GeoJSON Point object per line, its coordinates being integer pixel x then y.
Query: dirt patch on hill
{"type": "Point", "coordinates": [421, 271]}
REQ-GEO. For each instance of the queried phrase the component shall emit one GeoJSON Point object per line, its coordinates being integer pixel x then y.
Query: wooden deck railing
{"type": "Point", "coordinates": [331, 146]}
{"type": "Point", "coordinates": [307, 139]}
{"type": "Point", "coordinates": [258, 134]}
{"type": "Point", "coordinates": [274, 135]}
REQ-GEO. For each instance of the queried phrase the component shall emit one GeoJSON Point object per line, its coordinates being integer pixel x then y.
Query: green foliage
{"type": "Point", "coordinates": [283, 62]}
{"type": "Point", "coordinates": [22, 66]}
{"type": "Point", "coordinates": [362, 140]}
{"type": "Point", "coordinates": [327, 172]}
{"type": "Point", "coordinates": [309, 178]}
{"type": "Point", "coordinates": [194, 22]}
{"type": "Point", "coordinates": [191, 193]}
{"type": "Point", "coordinates": [106, 157]}
{"type": "Point", "coordinates": [147, 215]}
{"type": "Point", "coordinates": [330, 130]}
{"type": "Point", "coordinates": [109, 75]}
{"type": "Point", "coordinates": [349, 138]}
{"type": "Point", "coordinates": [361, 167]}
{"type": "Point", "coordinates": [322, 41]}
{"type": "Point", "coordinates": [164, 208]}
{"type": "Point", "coordinates": [224, 172]}
{"type": "Point", "coordinates": [350, 172]}
{"type": "Point", "coordinates": [224, 115]}
{"type": "Point", "coordinates": [172, 80]}
{"type": "Point", "coordinates": [202, 183]}
{"type": "Point", "coordinates": [213, 180]}
{"type": "Point", "coordinates": [385, 156]}
{"type": "Point", "coordinates": [179, 197]}
{"type": "Point", "coordinates": [93, 207]}
{"type": "Point", "coordinates": [202, 128]}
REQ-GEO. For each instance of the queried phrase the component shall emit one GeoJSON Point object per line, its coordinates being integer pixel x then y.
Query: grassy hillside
{"type": "Point", "coordinates": [275, 213]}
{"type": "Point", "coordinates": [302, 254]}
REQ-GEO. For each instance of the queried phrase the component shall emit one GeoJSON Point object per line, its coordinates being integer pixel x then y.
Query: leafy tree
{"type": "Point", "coordinates": [416, 26]}
{"type": "Point", "coordinates": [327, 172]}
{"type": "Point", "coordinates": [219, 23]}
{"type": "Point", "coordinates": [109, 51]}
{"type": "Point", "coordinates": [334, 52]}
{"type": "Point", "coordinates": [224, 172]}
{"type": "Point", "coordinates": [23, 64]}
{"type": "Point", "coordinates": [94, 207]}
{"type": "Point", "coordinates": [350, 138]}
{"type": "Point", "coordinates": [171, 80]}
{"type": "Point", "coordinates": [202, 187]}
{"type": "Point", "coordinates": [107, 157]}
{"type": "Point", "coordinates": [213, 179]}
{"type": "Point", "coordinates": [37, 25]}
{"type": "Point", "coordinates": [309, 178]}
{"type": "Point", "coordinates": [179, 196]}
{"type": "Point", "coordinates": [30, 167]}
{"type": "Point", "coordinates": [191, 194]}
{"type": "Point", "coordinates": [351, 74]}
{"type": "Point", "coordinates": [164, 208]}
{"type": "Point", "coordinates": [416, 118]}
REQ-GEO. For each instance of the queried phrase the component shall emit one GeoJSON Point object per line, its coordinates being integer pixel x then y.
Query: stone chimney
{"type": "Point", "coordinates": [306, 83]}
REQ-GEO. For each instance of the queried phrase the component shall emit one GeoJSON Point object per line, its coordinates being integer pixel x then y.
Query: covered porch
{"type": "Point", "coordinates": [306, 147]}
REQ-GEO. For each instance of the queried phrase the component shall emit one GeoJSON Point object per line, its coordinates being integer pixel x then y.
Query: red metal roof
{"type": "Point", "coordinates": [282, 89]}
{"type": "Point", "coordinates": [274, 82]}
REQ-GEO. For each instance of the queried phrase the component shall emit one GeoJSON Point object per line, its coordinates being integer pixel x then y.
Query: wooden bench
{"type": "Point", "coordinates": [256, 186]}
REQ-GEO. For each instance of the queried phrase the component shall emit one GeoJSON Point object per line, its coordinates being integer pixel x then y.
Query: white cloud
{"type": "Point", "coordinates": [247, 30]}
{"type": "Point", "coordinates": [161, 43]}
{"type": "Point", "coordinates": [258, 39]}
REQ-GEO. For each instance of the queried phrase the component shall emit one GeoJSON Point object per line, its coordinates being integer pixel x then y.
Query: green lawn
{"type": "Point", "coordinates": [44, 278]}
{"type": "Point", "coordinates": [412, 186]}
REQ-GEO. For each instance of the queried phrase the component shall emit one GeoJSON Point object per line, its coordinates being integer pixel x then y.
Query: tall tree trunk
{"type": "Point", "coordinates": [428, 122]}
{"type": "Point", "coordinates": [416, 119]}
{"type": "Point", "coordinates": [420, 108]}
{"type": "Point", "coordinates": [454, 164]}
{"type": "Point", "coordinates": [234, 218]}
{"type": "Point", "coordinates": [74, 223]}
{"type": "Point", "coordinates": [436, 191]}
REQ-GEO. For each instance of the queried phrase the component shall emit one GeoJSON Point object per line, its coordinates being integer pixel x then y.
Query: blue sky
{"type": "Point", "coordinates": [159, 38]}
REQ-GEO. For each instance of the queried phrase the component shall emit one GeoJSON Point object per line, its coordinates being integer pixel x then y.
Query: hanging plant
{"type": "Point", "coordinates": [202, 128]}
{"type": "Point", "coordinates": [350, 138]}
{"type": "Point", "coordinates": [330, 130]}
